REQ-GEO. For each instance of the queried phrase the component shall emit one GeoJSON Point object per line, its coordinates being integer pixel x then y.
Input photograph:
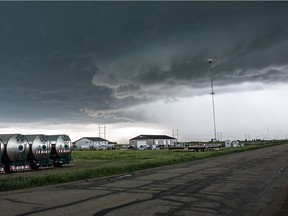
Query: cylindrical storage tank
{"type": "Point", "coordinates": [40, 146]}
{"type": "Point", "coordinates": [40, 150]}
{"type": "Point", "coordinates": [1, 149]}
{"type": "Point", "coordinates": [61, 149]}
{"type": "Point", "coordinates": [1, 156]}
{"type": "Point", "coordinates": [16, 151]}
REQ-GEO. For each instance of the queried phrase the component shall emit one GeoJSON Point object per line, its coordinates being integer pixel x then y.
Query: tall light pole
{"type": "Point", "coordinates": [212, 94]}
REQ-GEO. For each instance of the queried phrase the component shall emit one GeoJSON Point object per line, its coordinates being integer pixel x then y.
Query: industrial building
{"type": "Point", "coordinates": [152, 141]}
{"type": "Point", "coordinates": [96, 143]}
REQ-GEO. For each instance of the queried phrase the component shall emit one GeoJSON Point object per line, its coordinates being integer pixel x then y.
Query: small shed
{"type": "Point", "coordinates": [227, 143]}
{"type": "Point", "coordinates": [96, 143]}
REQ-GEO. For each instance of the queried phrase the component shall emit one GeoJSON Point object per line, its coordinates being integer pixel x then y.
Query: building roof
{"type": "Point", "coordinates": [93, 139]}
{"type": "Point", "coordinates": [144, 137]}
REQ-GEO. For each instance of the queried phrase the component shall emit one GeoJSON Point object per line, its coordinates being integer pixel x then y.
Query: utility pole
{"type": "Point", "coordinates": [175, 135]}
{"type": "Point", "coordinates": [219, 136]}
{"type": "Point", "coordinates": [212, 94]}
{"type": "Point", "coordinates": [102, 130]}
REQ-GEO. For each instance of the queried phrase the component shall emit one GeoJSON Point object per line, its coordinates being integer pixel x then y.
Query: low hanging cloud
{"type": "Point", "coordinates": [98, 61]}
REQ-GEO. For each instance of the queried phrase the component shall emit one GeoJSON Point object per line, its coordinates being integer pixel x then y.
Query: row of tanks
{"type": "Point", "coordinates": [25, 152]}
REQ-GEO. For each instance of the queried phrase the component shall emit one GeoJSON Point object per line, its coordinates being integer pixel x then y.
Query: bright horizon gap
{"type": "Point", "coordinates": [231, 108]}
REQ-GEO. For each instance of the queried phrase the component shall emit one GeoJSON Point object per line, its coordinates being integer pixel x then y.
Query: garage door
{"type": "Point", "coordinates": [141, 143]}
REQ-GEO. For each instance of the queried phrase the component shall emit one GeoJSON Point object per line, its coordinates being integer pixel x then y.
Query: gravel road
{"type": "Point", "coordinates": [246, 183]}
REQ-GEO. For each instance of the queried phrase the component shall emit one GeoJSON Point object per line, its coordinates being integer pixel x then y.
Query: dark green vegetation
{"type": "Point", "coordinates": [93, 164]}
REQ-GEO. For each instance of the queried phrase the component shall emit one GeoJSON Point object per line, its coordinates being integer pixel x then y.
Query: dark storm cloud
{"type": "Point", "coordinates": [70, 61]}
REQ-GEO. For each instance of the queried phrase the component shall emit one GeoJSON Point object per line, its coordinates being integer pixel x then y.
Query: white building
{"type": "Point", "coordinates": [96, 143]}
{"type": "Point", "coordinates": [234, 143]}
{"type": "Point", "coordinates": [227, 143]}
{"type": "Point", "coordinates": [153, 141]}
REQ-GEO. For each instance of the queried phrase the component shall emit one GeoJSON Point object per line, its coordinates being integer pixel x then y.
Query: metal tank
{"type": "Point", "coordinates": [40, 150]}
{"type": "Point", "coordinates": [61, 149]}
{"type": "Point", "coordinates": [1, 155]}
{"type": "Point", "coordinates": [1, 149]}
{"type": "Point", "coordinates": [16, 152]}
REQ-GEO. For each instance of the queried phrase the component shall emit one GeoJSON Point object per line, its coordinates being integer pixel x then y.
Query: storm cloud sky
{"type": "Point", "coordinates": [121, 62]}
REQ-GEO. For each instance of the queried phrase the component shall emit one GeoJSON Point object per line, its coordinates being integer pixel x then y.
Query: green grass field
{"type": "Point", "coordinates": [94, 164]}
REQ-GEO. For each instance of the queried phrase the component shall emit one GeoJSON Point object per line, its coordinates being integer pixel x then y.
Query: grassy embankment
{"type": "Point", "coordinates": [93, 164]}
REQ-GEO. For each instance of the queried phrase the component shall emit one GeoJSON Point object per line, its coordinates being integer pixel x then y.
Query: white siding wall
{"type": "Point", "coordinates": [100, 145]}
{"type": "Point", "coordinates": [150, 142]}
{"type": "Point", "coordinates": [88, 144]}
{"type": "Point", "coordinates": [165, 142]}
{"type": "Point", "coordinates": [141, 143]}
{"type": "Point", "coordinates": [227, 143]}
{"type": "Point", "coordinates": [84, 143]}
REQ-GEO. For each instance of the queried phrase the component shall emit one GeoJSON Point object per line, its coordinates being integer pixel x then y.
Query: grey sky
{"type": "Point", "coordinates": [96, 62]}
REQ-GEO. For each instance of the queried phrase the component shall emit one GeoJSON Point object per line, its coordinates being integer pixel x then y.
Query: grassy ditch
{"type": "Point", "coordinates": [93, 164]}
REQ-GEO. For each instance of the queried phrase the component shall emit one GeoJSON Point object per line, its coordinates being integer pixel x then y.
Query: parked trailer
{"type": "Point", "coordinates": [1, 155]}
{"type": "Point", "coordinates": [61, 149]}
{"type": "Point", "coordinates": [15, 154]}
{"type": "Point", "coordinates": [40, 150]}
{"type": "Point", "coordinates": [197, 148]}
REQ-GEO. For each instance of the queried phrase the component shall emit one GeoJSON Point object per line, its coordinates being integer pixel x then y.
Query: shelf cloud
{"type": "Point", "coordinates": [84, 62]}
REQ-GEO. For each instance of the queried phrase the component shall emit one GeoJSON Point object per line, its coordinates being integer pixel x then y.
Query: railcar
{"type": "Point", "coordinates": [16, 150]}
{"type": "Point", "coordinates": [40, 150]}
{"type": "Point", "coordinates": [61, 148]}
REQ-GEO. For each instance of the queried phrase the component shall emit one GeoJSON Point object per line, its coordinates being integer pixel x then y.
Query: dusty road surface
{"type": "Point", "coordinates": [247, 183]}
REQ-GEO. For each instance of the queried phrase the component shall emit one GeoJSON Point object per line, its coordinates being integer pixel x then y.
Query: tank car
{"type": "Point", "coordinates": [61, 149]}
{"type": "Point", "coordinates": [1, 155]}
{"type": "Point", "coordinates": [40, 150]}
{"type": "Point", "coordinates": [15, 153]}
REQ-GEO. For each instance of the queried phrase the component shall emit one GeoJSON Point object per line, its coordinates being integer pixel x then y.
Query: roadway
{"type": "Point", "coordinates": [246, 183]}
